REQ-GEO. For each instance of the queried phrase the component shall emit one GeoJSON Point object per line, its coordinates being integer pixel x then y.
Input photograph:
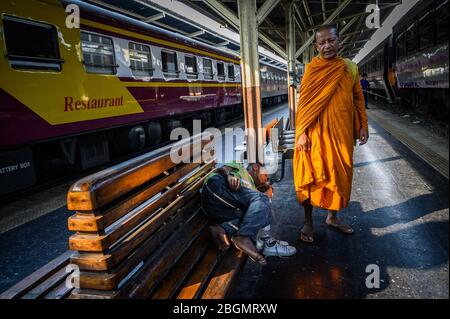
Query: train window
{"type": "Point", "coordinates": [190, 65]}
{"type": "Point", "coordinates": [263, 77]}
{"type": "Point", "coordinates": [31, 45]}
{"type": "Point", "coordinates": [231, 75]}
{"type": "Point", "coordinates": [401, 46]}
{"type": "Point", "coordinates": [220, 71]}
{"type": "Point", "coordinates": [140, 59]}
{"type": "Point", "coordinates": [411, 41]}
{"type": "Point", "coordinates": [442, 24]}
{"type": "Point", "coordinates": [426, 32]}
{"type": "Point", "coordinates": [98, 53]}
{"type": "Point", "coordinates": [169, 63]}
{"type": "Point", "coordinates": [207, 69]}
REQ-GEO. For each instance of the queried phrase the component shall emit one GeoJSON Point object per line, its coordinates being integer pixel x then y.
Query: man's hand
{"type": "Point", "coordinates": [269, 192]}
{"type": "Point", "coordinates": [363, 136]}
{"type": "Point", "coordinates": [233, 182]}
{"type": "Point", "coordinates": [303, 143]}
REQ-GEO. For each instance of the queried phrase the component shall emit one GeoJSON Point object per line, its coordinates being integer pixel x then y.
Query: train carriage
{"type": "Point", "coordinates": [72, 97]}
{"type": "Point", "coordinates": [411, 66]}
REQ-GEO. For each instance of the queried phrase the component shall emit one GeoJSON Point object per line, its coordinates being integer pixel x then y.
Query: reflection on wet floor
{"type": "Point", "coordinates": [399, 210]}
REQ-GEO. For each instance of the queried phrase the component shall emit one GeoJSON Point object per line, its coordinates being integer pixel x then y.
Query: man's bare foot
{"type": "Point", "coordinates": [246, 245]}
{"type": "Point", "coordinates": [334, 222]}
{"type": "Point", "coordinates": [219, 236]}
{"type": "Point", "coordinates": [307, 234]}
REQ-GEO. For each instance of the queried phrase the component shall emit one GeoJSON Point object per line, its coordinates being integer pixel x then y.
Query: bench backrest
{"type": "Point", "coordinates": [275, 134]}
{"type": "Point", "coordinates": [134, 222]}
{"type": "Point", "coordinates": [139, 234]}
{"type": "Point", "coordinates": [48, 282]}
{"type": "Point", "coordinates": [268, 128]}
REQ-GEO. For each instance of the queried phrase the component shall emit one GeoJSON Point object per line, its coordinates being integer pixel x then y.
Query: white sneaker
{"type": "Point", "coordinates": [272, 247]}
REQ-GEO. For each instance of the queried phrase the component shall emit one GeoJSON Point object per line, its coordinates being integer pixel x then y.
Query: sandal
{"type": "Point", "coordinates": [306, 239]}
{"type": "Point", "coordinates": [309, 239]}
{"type": "Point", "coordinates": [346, 229]}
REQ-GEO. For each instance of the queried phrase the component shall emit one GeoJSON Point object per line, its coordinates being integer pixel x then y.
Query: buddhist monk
{"type": "Point", "coordinates": [330, 118]}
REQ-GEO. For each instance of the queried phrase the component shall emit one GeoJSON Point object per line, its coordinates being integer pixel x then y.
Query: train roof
{"type": "Point", "coordinates": [94, 11]}
{"type": "Point", "coordinates": [418, 11]}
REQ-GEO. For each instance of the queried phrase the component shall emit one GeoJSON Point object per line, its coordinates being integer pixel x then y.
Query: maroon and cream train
{"type": "Point", "coordinates": [70, 97]}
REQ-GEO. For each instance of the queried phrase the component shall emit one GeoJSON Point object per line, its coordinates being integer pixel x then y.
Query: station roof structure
{"type": "Point", "coordinates": [348, 15]}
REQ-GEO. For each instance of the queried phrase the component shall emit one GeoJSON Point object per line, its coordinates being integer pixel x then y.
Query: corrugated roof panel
{"type": "Point", "coordinates": [178, 24]}
{"type": "Point", "coordinates": [211, 38]}
{"type": "Point", "coordinates": [133, 7]}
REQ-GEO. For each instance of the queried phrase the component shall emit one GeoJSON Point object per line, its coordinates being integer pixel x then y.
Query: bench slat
{"type": "Point", "coordinates": [224, 275]}
{"type": "Point", "coordinates": [99, 189]}
{"type": "Point", "coordinates": [94, 242]}
{"type": "Point", "coordinates": [60, 292]}
{"type": "Point", "coordinates": [192, 288]}
{"type": "Point", "coordinates": [157, 267]}
{"type": "Point", "coordinates": [95, 222]}
{"type": "Point", "coordinates": [40, 275]}
{"type": "Point", "coordinates": [178, 274]}
{"type": "Point", "coordinates": [49, 284]}
{"type": "Point", "coordinates": [108, 260]}
{"type": "Point", "coordinates": [111, 279]}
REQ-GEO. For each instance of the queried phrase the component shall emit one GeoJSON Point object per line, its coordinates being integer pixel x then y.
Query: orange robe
{"type": "Point", "coordinates": [331, 111]}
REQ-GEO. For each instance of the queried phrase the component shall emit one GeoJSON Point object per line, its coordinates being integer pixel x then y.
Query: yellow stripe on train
{"type": "Point", "coordinates": [49, 94]}
{"type": "Point", "coordinates": [44, 92]}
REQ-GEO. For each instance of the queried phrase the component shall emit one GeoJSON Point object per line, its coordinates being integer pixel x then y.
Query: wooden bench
{"type": "Point", "coordinates": [140, 233]}
{"type": "Point", "coordinates": [48, 282]}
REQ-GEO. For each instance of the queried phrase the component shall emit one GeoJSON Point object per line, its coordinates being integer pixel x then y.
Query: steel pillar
{"type": "Point", "coordinates": [290, 49]}
{"type": "Point", "coordinates": [251, 90]}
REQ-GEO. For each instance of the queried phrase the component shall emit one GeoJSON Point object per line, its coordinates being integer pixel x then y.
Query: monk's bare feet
{"type": "Point", "coordinates": [334, 222]}
{"type": "Point", "coordinates": [246, 245]}
{"type": "Point", "coordinates": [307, 233]}
{"type": "Point", "coordinates": [219, 236]}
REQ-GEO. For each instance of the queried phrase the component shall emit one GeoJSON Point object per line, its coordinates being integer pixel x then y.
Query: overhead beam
{"type": "Point", "coordinates": [224, 12]}
{"type": "Point", "coordinates": [304, 26]}
{"type": "Point", "coordinates": [310, 40]}
{"type": "Point", "coordinates": [273, 45]}
{"type": "Point", "coordinates": [352, 35]}
{"type": "Point", "coordinates": [324, 10]}
{"type": "Point", "coordinates": [347, 26]}
{"type": "Point", "coordinates": [357, 15]}
{"type": "Point", "coordinates": [231, 18]}
{"type": "Point", "coordinates": [308, 12]}
{"type": "Point", "coordinates": [265, 9]}
{"type": "Point", "coordinates": [278, 31]}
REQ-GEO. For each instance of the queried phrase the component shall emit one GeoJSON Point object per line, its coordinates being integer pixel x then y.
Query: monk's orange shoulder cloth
{"type": "Point", "coordinates": [319, 83]}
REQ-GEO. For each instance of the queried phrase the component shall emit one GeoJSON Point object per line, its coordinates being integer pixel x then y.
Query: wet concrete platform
{"type": "Point", "coordinates": [399, 210]}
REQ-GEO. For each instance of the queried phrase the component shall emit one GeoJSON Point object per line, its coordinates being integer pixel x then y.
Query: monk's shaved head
{"type": "Point", "coordinates": [327, 41]}
{"type": "Point", "coordinates": [326, 27]}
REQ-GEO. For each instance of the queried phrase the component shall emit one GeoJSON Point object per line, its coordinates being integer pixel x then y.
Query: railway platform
{"type": "Point", "coordinates": [399, 210]}
{"type": "Point", "coordinates": [94, 94]}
